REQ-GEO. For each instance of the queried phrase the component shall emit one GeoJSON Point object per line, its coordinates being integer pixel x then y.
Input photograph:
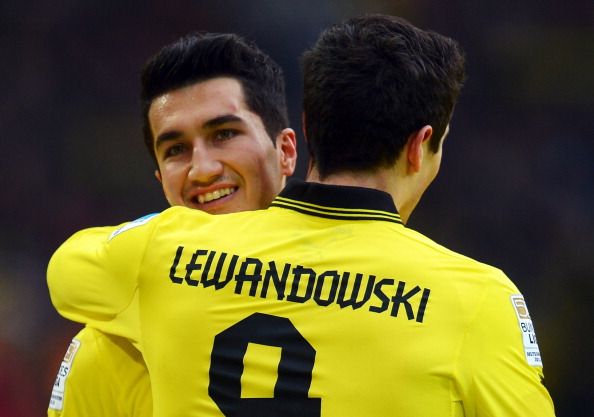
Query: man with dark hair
{"type": "Point", "coordinates": [325, 304]}
{"type": "Point", "coordinates": [215, 123]}
{"type": "Point", "coordinates": [243, 89]}
{"type": "Point", "coordinates": [395, 93]}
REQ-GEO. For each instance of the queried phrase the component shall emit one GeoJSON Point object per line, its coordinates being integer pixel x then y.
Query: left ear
{"type": "Point", "coordinates": [415, 151]}
{"type": "Point", "coordinates": [286, 145]}
{"type": "Point", "coordinates": [158, 176]}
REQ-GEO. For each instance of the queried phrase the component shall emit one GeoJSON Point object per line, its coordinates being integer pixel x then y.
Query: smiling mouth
{"type": "Point", "coordinates": [215, 195]}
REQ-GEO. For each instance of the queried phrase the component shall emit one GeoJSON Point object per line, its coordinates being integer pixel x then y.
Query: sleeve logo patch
{"type": "Point", "coordinates": [57, 398]}
{"type": "Point", "coordinates": [528, 333]}
{"type": "Point", "coordinates": [133, 224]}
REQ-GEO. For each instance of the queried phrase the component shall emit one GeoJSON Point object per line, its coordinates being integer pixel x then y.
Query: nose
{"type": "Point", "coordinates": [206, 165]}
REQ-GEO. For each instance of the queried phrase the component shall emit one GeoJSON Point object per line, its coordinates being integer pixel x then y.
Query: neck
{"type": "Point", "coordinates": [356, 179]}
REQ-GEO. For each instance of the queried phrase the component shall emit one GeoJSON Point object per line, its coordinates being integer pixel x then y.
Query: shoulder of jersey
{"type": "Point", "coordinates": [481, 269]}
{"type": "Point", "coordinates": [194, 214]}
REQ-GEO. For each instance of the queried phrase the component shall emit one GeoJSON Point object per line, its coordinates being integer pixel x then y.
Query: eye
{"type": "Point", "coordinates": [225, 134]}
{"type": "Point", "coordinates": [174, 150]}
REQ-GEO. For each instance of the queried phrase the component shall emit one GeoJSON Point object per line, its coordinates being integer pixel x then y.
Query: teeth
{"type": "Point", "coordinates": [215, 195]}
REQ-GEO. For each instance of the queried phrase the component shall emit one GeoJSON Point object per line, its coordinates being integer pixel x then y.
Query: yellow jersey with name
{"type": "Point", "coordinates": [322, 305]}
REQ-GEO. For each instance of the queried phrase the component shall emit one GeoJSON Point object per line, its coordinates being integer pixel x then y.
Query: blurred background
{"type": "Point", "coordinates": [515, 190]}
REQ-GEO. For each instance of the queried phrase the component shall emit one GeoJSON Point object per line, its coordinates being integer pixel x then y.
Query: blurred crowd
{"type": "Point", "coordinates": [515, 188]}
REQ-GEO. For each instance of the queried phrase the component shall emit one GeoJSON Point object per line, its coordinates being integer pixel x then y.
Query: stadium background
{"type": "Point", "coordinates": [515, 188]}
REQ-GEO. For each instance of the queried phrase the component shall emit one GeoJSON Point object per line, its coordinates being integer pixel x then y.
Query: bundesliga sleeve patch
{"type": "Point", "coordinates": [528, 333]}
{"type": "Point", "coordinates": [57, 398]}
{"type": "Point", "coordinates": [133, 224]}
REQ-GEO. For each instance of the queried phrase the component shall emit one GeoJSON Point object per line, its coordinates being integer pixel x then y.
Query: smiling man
{"type": "Point", "coordinates": [216, 155]}
{"type": "Point", "coordinates": [215, 123]}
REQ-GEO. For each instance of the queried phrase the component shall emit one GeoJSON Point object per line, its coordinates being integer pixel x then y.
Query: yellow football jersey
{"type": "Point", "coordinates": [322, 305]}
{"type": "Point", "coordinates": [101, 375]}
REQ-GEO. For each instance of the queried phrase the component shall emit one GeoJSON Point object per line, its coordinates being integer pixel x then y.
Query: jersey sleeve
{"type": "Point", "coordinates": [92, 277]}
{"type": "Point", "coordinates": [101, 375]}
{"type": "Point", "coordinates": [499, 364]}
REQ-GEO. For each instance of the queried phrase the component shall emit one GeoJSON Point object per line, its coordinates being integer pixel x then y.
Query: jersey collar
{"type": "Point", "coordinates": [337, 201]}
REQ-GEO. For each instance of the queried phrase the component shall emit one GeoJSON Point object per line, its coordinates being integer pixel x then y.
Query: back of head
{"type": "Point", "coordinates": [369, 83]}
{"type": "Point", "coordinates": [202, 56]}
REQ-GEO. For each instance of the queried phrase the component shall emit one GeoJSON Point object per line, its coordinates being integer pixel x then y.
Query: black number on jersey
{"type": "Point", "coordinates": [294, 370]}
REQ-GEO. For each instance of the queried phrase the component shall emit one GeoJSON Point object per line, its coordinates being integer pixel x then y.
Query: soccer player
{"type": "Point", "coordinates": [215, 122]}
{"type": "Point", "coordinates": [325, 304]}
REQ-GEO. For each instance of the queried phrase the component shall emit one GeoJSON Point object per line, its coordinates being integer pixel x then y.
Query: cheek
{"type": "Point", "coordinates": [266, 179]}
{"type": "Point", "coordinates": [172, 180]}
{"type": "Point", "coordinates": [262, 163]}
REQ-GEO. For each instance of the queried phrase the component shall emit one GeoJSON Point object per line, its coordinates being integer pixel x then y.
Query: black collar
{"type": "Point", "coordinates": [337, 201]}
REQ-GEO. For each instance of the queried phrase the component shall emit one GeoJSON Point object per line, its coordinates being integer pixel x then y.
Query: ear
{"type": "Point", "coordinates": [415, 150]}
{"type": "Point", "coordinates": [158, 176]}
{"type": "Point", "coordinates": [286, 145]}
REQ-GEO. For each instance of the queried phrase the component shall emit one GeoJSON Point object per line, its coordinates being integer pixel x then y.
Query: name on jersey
{"type": "Point", "coordinates": [298, 283]}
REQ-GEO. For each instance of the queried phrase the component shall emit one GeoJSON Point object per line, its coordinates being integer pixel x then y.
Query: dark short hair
{"type": "Point", "coordinates": [369, 83]}
{"type": "Point", "coordinates": [202, 56]}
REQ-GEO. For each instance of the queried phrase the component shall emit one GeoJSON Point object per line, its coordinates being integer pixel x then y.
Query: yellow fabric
{"type": "Point", "coordinates": [106, 377]}
{"type": "Point", "coordinates": [429, 332]}
{"type": "Point", "coordinates": [119, 316]}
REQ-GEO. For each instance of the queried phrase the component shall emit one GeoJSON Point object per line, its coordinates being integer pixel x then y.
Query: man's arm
{"type": "Point", "coordinates": [92, 277]}
{"type": "Point", "coordinates": [101, 375]}
{"type": "Point", "coordinates": [499, 364]}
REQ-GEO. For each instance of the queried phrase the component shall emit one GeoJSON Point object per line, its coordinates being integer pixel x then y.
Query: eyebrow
{"type": "Point", "coordinates": [167, 136]}
{"type": "Point", "coordinates": [221, 120]}
{"type": "Point", "coordinates": [208, 125]}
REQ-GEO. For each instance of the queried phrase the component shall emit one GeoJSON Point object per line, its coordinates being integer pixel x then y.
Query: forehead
{"type": "Point", "coordinates": [204, 99]}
